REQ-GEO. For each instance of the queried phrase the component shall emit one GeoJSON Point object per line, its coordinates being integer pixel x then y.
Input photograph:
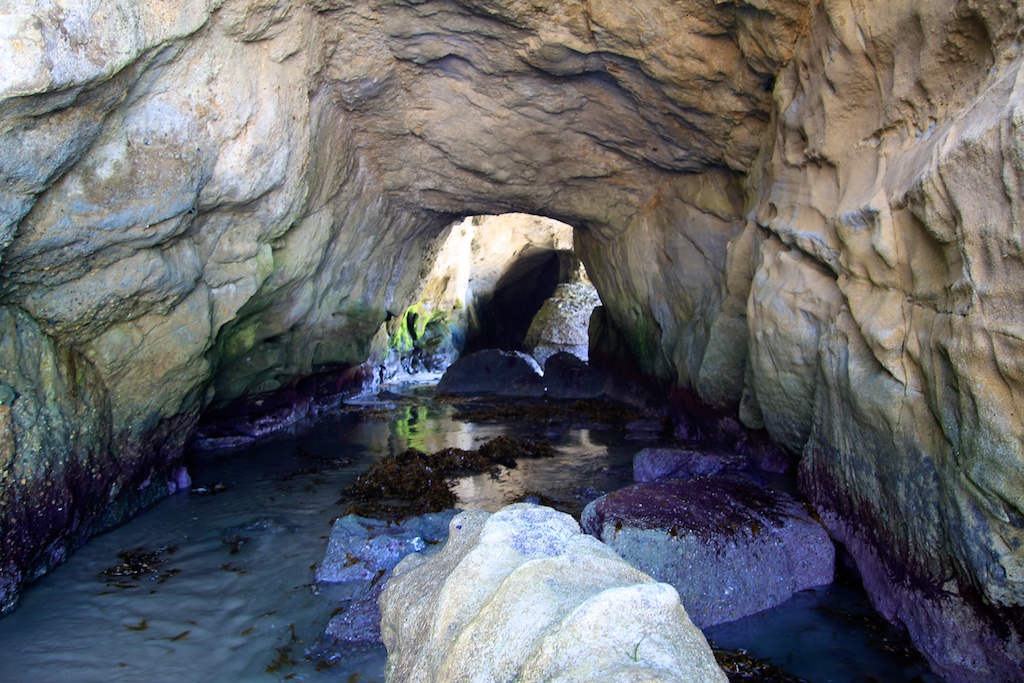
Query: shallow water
{"type": "Point", "coordinates": [234, 600]}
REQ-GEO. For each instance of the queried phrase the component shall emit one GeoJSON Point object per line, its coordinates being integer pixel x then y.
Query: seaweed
{"type": "Point", "coordinates": [414, 483]}
{"type": "Point", "coordinates": [739, 666]}
{"type": "Point", "coordinates": [137, 563]}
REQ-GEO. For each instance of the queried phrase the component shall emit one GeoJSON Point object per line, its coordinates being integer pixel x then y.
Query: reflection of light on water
{"type": "Point", "coordinates": [230, 616]}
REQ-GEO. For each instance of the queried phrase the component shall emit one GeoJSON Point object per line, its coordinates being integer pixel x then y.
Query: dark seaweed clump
{"type": "Point", "coordinates": [740, 666]}
{"type": "Point", "coordinates": [137, 563]}
{"type": "Point", "coordinates": [415, 483]}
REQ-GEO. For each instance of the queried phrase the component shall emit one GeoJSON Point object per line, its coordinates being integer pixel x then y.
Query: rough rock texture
{"type": "Point", "coordinates": [364, 551]}
{"type": "Point", "coordinates": [563, 323]}
{"type": "Point", "coordinates": [730, 547]}
{"type": "Point", "coordinates": [523, 595]}
{"type": "Point", "coordinates": [885, 335]}
{"type": "Point", "coordinates": [361, 548]}
{"type": "Point", "coordinates": [806, 215]}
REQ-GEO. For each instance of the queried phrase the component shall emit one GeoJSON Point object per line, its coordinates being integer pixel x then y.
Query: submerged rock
{"type": "Point", "coordinates": [493, 372]}
{"type": "Point", "coordinates": [730, 547]}
{"type": "Point", "coordinates": [523, 595]}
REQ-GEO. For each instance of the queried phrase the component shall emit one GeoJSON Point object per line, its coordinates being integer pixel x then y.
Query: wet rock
{"type": "Point", "coordinates": [494, 373]}
{"type": "Point", "coordinates": [523, 595]}
{"type": "Point", "coordinates": [365, 550]}
{"type": "Point", "coordinates": [730, 547]}
{"type": "Point", "coordinates": [360, 548]}
{"type": "Point", "coordinates": [653, 463]}
{"type": "Point", "coordinates": [357, 621]}
{"type": "Point", "coordinates": [566, 376]}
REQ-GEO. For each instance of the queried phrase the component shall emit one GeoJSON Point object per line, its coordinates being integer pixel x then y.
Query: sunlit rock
{"type": "Point", "coordinates": [562, 324]}
{"type": "Point", "coordinates": [523, 595]}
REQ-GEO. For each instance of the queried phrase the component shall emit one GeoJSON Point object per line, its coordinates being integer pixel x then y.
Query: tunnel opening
{"type": "Point", "coordinates": [510, 281]}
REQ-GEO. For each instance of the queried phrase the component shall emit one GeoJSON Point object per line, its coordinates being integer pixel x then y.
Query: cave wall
{"type": "Point", "coordinates": [885, 337]}
{"type": "Point", "coordinates": [806, 215]}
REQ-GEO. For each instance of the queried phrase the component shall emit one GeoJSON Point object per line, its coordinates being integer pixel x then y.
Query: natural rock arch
{"type": "Point", "coordinates": [787, 210]}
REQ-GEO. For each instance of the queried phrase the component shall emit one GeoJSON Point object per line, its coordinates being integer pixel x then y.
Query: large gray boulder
{"type": "Point", "coordinates": [729, 546]}
{"type": "Point", "coordinates": [523, 595]}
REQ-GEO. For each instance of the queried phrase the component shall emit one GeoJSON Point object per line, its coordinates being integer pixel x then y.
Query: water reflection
{"type": "Point", "coordinates": [239, 603]}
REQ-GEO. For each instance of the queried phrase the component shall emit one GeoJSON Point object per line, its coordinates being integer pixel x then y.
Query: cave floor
{"type": "Point", "coordinates": [217, 584]}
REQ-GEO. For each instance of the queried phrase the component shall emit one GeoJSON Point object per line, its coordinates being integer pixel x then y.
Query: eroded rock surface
{"type": "Point", "coordinates": [524, 595]}
{"type": "Point", "coordinates": [562, 324]}
{"type": "Point", "coordinates": [806, 216]}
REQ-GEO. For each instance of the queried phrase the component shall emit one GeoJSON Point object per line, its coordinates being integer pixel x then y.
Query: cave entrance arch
{"type": "Point", "coordinates": [508, 281]}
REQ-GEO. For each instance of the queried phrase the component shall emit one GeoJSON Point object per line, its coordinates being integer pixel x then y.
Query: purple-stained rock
{"type": "Point", "coordinates": [493, 372]}
{"type": "Point", "coordinates": [653, 463]}
{"type": "Point", "coordinates": [729, 546]}
{"type": "Point", "coordinates": [765, 455]}
{"type": "Point", "coordinates": [566, 376]}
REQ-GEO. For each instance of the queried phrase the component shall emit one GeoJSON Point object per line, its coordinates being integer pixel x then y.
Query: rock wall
{"type": "Point", "coordinates": [804, 215]}
{"type": "Point", "coordinates": [884, 326]}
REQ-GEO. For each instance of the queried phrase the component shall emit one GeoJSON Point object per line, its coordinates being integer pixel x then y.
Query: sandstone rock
{"type": "Point", "coordinates": [808, 215]}
{"type": "Point", "coordinates": [522, 594]}
{"type": "Point", "coordinates": [652, 464]}
{"type": "Point", "coordinates": [566, 376]}
{"type": "Point", "coordinates": [493, 373]}
{"type": "Point", "coordinates": [563, 322]}
{"type": "Point", "coordinates": [730, 547]}
{"type": "Point", "coordinates": [886, 261]}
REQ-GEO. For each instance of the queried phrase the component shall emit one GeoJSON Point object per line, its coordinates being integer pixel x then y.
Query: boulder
{"type": "Point", "coordinates": [562, 324]}
{"type": "Point", "coordinates": [566, 376]}
{"type": "Point", "coordinates": [364, 551]}
{"type": "Point", "coordinates": [493, 372]}
{"type": "Point", "coordinates": [654, 463]}
{"type": "Point", "coordinates": [729, 546]}
{"type": "Point", "coordinates": [523, 595]}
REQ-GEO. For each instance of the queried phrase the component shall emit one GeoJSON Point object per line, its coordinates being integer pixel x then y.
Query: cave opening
{"type": "Point", "coordinates": [511, 282]}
